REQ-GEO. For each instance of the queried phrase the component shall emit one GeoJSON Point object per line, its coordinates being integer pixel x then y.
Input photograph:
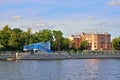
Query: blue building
{"type": "Point", "coordinates": [41, 46]}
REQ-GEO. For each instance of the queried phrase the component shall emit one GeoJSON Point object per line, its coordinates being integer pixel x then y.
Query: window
{"type": "Point", "coordinates": [102, 38]}
{"type": "Point", "coordinates": [95, 46]}
{"type": "Point", "coordinates": [101, 46]}
{"type": "Point", "coordinates": [102, 42]}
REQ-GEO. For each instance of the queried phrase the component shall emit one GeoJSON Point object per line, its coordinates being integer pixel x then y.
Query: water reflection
{"type": "Point", "coordinates": [81, 69]}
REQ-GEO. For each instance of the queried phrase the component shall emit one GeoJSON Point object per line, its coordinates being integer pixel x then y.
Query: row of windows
{"type": "Point", "coordinates": [102, 46]}
{"type": "Point", "coordinates": [102, 43]}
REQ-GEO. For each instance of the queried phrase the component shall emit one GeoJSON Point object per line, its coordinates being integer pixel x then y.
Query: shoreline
{"type": "Point", "coordinates": [57, 56]}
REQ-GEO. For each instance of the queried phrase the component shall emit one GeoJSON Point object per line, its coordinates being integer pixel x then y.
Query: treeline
{"type": "Point", "coordinates": [116, 43]}
{"type": "Point", "coordinates": [15, 39]}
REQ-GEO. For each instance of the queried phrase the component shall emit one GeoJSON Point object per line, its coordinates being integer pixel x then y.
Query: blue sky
{"type": "Point", "coordinates": [69, 16]}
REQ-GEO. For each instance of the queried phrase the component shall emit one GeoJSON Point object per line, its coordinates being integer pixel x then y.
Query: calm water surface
{"type": "Point", "coordinates": [79, 69]}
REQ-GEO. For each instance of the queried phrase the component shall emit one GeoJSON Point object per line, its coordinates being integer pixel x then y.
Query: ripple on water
{"type": "Point", "coordinates": [80, 69]}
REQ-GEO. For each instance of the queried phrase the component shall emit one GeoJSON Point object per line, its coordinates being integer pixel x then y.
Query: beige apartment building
{"type": "Point", "coordinates": [96, 41]}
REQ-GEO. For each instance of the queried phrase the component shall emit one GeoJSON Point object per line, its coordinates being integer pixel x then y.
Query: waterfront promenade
{"type": "Point", "coordinates": [64, 55]}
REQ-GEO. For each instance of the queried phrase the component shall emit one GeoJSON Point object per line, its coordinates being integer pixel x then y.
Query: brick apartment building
{"type": "Point", "coordinates": [96, 41]}
{"type": "Point", "coordinates": [75, 40]}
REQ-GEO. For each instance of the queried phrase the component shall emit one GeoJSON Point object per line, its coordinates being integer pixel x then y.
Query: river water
{"type": "Point", "coordinates": [78, 69]}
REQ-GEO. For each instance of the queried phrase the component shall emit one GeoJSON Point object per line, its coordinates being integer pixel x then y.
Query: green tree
{"type": "Point", "coordinates": [15, 39]}
{"type": "Point", "coordinates": [72, 45]}
{"type": "Point", "coordinates": [4, 37]}
{"type": "Point", "coordinates": [1, 46]}
{"type": "Point", "coordinates": [116, 43]}
{"type": "Point", "coordinates": [83, 45]}
{"type": "Point", "coordinates": [27, 36]}
{"type": "Point", "coordinates": [57, 40]}
{"type": "Point", "coordinates": [44, 35]}
{"type": "Point", "coordinates": [65, 44]}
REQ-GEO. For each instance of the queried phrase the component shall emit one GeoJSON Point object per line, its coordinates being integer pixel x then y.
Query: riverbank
{"type": "Point", "coordinates": [69, 56]}
{"type": "Point", "coordinates": [59, 56]}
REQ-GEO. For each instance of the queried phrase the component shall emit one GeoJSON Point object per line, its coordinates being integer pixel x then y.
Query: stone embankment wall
{"type": "Point", "coordinates": [69, 56]}
{"type": "Point", "coordinates": [5, 56]}
{"type": "Point", "coordinates": [65, 55]}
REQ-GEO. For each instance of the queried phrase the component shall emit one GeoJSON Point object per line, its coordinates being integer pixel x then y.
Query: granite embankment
{"type": "Point", "coordinates": [5, 56]}
{"type": "Point", "coordinates": [57, 56]}
{"type": "Point", "coordinates": [69, 56]}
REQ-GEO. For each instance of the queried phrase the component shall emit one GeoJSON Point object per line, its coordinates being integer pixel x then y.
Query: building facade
{"type": "Point", "coordinates": [75, 41]}
{"type": "Point", "coordinates": [95, 41]}
{"type": "Point", "coordinates": [101, 41]}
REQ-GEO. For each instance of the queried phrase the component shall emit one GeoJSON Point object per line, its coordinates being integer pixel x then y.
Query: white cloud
{"type": "Point", "coordinates": [70, 26]}
{"type": "Point", "coordinates": [91, 17]}
{"type": "Point", "coordinates": [17, 17]}
{"type": "Point", "coordinates": [114, 2]}
{"type": "Point", "coordinates": [40, 25]}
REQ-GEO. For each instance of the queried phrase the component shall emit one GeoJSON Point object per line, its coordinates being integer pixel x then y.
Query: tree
{"type": "Point", "coordinates": [44, 35]}
{"type": "Point", "coordinates": [27, 36]}
{"type": "Point", "coordinates": [65, 44]}
{"type": "Point", "coordinates": [1, 46]}
{"type": "Point", "coordinates": [4, 37]}
{"type": "Point", "coordinates": [72, 45]}
{"type": "Point", "coordinates": [116, 43]}
{"type": "Point", "coordinates": [83, 45]}
{"type": "Point", "coordinates": [57, 40]}
{"type": "Point", "coordinates": [15, 39]}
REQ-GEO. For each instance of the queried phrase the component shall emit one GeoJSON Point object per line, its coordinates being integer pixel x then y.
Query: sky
{"type": "Point", "coordinates": [69, 16]}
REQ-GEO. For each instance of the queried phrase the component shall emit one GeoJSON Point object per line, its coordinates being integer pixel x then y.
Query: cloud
{"type": "Point", "coordinates": [91, 17]}
{"type": "Point", "coordinates": [75, 20]}
{"type": "Point", "coordinates": [62, 24]}
{"type": "Point", "coordinates": [114, 2]}
{"type": "Point", "coordinates": [40, 25]}
{"type": "Point", "coordinates": [17, 17]}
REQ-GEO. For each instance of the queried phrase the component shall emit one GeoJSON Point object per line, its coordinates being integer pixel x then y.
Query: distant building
{"type": "Point", "coordinates": [75, 40]}
{"type": "Point", "coordinates": [96, 41]}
